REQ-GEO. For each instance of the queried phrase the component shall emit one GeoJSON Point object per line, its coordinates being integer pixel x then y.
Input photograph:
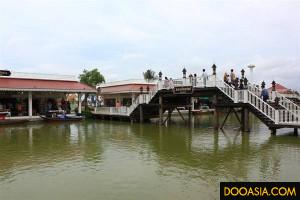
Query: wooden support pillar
{"type": "Point", "coordinates": [225, 118]}
{"type": "Point", "coordinates": [141, 114]}
{"type": "Point", "coordinates": [180, 114]}
{"type": "Point", "coordinates": [273, 131]}
{"type": "Point", "coordinates": [295, 131]}
{"type": "Point", "coordinates": [30, 104]}
{"type": "Point", "coordinates": [190, 115]}
{"type": "Point", "coordinates": [161, 110]}
{"type": "Point", "coordinates": [216, 113]}
{"type": "Point", "coordinates": [245, 120]}
{"type": "Point", "coordinates": [216, 118]}
{"type": "Point", "coordinates": [169, 114]}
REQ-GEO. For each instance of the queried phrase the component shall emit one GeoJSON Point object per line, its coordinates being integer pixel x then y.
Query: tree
{"type": "Point", "coordinates": [149, 75]}
{"type": "Point", "coordinates": [92, 77]}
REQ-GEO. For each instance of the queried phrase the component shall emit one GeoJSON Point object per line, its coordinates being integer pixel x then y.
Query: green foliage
{"type": "Point", "coordinates": [92, 77]}
{"type": "Point", "coordinates": [149, 75]}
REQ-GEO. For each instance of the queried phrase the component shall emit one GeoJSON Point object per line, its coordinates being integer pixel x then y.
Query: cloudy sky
{"type": "Point", "coordinates": [123, 38]}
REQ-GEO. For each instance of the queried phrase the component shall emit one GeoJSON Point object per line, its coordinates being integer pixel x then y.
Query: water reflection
{"type": "Point", "coordinates": [133, 155]}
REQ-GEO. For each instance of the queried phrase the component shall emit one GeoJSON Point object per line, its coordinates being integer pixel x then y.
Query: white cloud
{"type": "Point", "coordinates": [68, 35]}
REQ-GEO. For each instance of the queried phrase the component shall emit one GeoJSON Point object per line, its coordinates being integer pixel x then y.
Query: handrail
{"type": "Point", "coordinates": [250, 95]}
{"type": "Point", "coordinates": [262, 106]}
{"type": "Point", "coordinates": [283, 101]}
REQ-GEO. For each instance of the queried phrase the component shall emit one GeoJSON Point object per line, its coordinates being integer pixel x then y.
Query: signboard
{"type": "Point", "coordinates": [183, 90]}
{"type": "Point", "coordinates": [5, 73]}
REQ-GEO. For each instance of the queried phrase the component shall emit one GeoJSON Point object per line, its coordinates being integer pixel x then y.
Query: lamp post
{"type": "Point", "coordinates": [141, 89]}
{"type": "Point", "coordinates": [273, 93]}
{"type": "Point", "coordinates": [214, 67]}
{"type": "Point", "coordinates": [273, 85]}
{"type": "Point", "coordinates": [263, 84]}
{"type": "Point", "coordinates": [160, 75]}
{"type": "Point", "coordinates": [243, 73]}
{"type": "Point", "coordinates": [184, 73]}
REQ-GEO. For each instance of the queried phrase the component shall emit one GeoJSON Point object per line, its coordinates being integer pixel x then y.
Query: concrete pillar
{"type": "Point", "coordinates": [161, 110]}
{"type": "Point", "coordinates": [30, 104]}
{"type": "Point", "coordinates": [245, 120]}
{"type": "Point", "coordinates": [79, 103]}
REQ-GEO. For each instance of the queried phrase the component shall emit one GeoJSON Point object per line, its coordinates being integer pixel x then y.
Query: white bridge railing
{"type": "Point", "coordinates": [127, 110]}
{"type": "Point", "coordinates": [251, 95]}
{"type": "Point", "coordinates": [290, 106]}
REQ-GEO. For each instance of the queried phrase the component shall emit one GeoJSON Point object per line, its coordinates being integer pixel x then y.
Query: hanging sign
{"type": "Point", "coordinates": [5, 73]}
{"type": "Point", "coordinates": [183, 90]}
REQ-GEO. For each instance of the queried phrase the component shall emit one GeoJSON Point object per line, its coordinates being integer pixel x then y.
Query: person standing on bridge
{"type": "Point", "coordinates": [232, 77]}
{"type": "Point", "coordinates": [204, 77]}
{"type": "Point", "coordinates": [264, 93]}
{"type": "Point", "coordinates": [225, 78]}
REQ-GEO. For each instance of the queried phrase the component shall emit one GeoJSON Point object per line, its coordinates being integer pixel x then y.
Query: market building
{"type": "Point", "coordinates": [123, 93]}
{"type": "Point", "coordinates": [32, 94]}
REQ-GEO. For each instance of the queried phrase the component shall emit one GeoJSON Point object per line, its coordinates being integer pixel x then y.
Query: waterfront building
{"type": "Point", "coordinates": [118, 96]}
{"type": "Point", "coordinates": [31, 94]}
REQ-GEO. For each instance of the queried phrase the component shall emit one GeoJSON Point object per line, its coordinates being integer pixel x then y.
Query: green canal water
{"type": "Point", "coordinates": [118, 160]}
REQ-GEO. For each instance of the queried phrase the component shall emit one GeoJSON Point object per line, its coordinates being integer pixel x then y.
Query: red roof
{"type": "Point", "coordinates": [20, 84]}
{"type": "Point", "coordinates": [279, 88]}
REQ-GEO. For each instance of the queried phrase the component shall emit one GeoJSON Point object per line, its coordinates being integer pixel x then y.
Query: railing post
{"type": "Point", "coordinates": [236, 96]}
{"type": "Point", "coordinates": [276, 116]}
{"type": "Point", "coordinates": [245, 96]}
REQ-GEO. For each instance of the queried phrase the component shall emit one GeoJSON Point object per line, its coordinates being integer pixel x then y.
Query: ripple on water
{"type": "Point", "coordinates": [117, 160]}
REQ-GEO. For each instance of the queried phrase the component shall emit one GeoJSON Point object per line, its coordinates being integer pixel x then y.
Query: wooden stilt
{"type": "Point", "coordinates": [216, 112]}
{"type": "Point", "coordinates": [245, 120]}
{"type": "Point", "coordinates": [190, 114]}
{"type": "Point", "coordinates": [160, 110]}
{"type": "Point", "coordinates": [216, 119]}
{"type": "Point", "coordinates": [237, 116]}
{"type": "Point", "coordinates": [164, 121]}
{"type": "Point", "coordinates": [141, 114]}
{"type": "Point", "coordinates": [180, 114]}
{"type": "Point", "coordinates": [226, 118]}
{"type": "Point", "coordinates": [295, 131]}
{"type": "Point", "coordinates": [169, 114]}
{"type": "Point", "coordinates": [273, 131]}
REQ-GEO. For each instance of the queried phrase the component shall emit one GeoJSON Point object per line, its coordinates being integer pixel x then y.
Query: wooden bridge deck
{"type": "Point", "coordinates": [167, 100]}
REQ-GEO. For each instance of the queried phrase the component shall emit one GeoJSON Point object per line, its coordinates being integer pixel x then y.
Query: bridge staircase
{"type": "Point", "coordinates": [284, 114]}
